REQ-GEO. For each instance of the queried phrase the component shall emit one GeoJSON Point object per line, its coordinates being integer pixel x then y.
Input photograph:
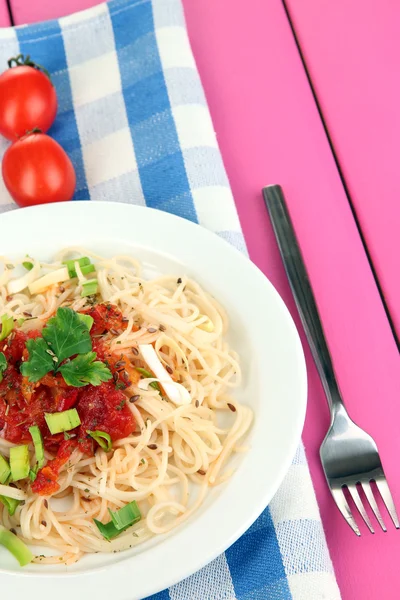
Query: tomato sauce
{"type": "Point", "coordinates": [103, 407]}
{"type": "Point", "coordinates": [45, 483]}
{"type": "Point", "coordinates": [106, 317]}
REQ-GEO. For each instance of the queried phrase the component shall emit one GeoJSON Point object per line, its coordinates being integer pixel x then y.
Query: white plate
{"type": "Point", "coordinates": [263, 333]}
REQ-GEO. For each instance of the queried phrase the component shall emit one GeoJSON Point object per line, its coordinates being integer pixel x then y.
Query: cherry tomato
{"type": "Point", "coordinates": [28, 99]}
{"type": "Point", "coordinates": [36, 170]}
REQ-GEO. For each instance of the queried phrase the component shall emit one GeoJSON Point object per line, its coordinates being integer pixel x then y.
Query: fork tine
{"type": "Point", "coordinates": [388, 500]}
{"type": "Point", "coordinates": [358, 502]}
{"type": "Point", "coordinates": [344, 508]}
{"type": "Point", "coordinates": [366, 486]}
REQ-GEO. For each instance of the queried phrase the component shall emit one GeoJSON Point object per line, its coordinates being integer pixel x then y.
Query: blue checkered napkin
{"type": "Point", "coordinates": [134, 120]}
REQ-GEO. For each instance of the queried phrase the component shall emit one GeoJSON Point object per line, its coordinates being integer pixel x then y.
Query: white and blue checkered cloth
{"type": "Point", "coordinates": [133, 118]}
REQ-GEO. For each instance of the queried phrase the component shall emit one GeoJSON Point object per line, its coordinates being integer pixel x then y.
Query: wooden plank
{"type": "Point", "coordinates": [26, 11]}
{"type": "Point", "coordinates": [352, 49]}
{"type": "Point", "coordinates": [4, 14]}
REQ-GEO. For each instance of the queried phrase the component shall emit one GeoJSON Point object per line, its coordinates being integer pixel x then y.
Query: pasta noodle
{"type": "Point", "coordinates": [177, 452]}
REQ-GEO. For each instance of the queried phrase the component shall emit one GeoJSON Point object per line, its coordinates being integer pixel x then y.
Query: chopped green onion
{"type": "Point", "coordinates": [7, 325]}
{"type": "Point", "coordinates": [38, 444]}
{"type": "Point", "coordinates": [4, 469]}
{"type": "Point", "coordinates": [88, 269]}
{"type": "Point", "coordinates": [102, 438]}
{"type": "Point", "coordinates": [20, 321]}
{"type": "Point", "coordinates": [82, 262]}
{"type": "Point", "coordinates": [3, 365]}
{"type": "Point", "coordinates": [71, 268]}
{"type": "Point", "coordinates": [33, 473]}
{"type": "Point", "coordinates": [62, 421]}
{"type": "Point", "coordinates": [15, 546]}
{"type": "Point", "coordinates": [89, 287]}
{"type": "Point", "coordinates": [147, 374]}
{"type": "Point", "coordinates": [19, 462]}
{"type": "Point", "coordinates": [28, 265]}
{"type": "Point", "coordinates": [126, 516]}
{"type": "Point", "coordinates": [10, 504]}
{"type": "Point", "coordinates": [107, 530]}
{"type": "Point", "coordinates": [120, 520]}
{"type": "Point", "coordinates": [87, 319]}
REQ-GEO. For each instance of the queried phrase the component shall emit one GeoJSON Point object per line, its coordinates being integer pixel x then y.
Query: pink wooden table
{"type": "Point", "coordinates": [352, 50]}
{"type": "Point", "coordinates": [270, 131]}
{"type": "Point", "coordinates": [4, 15]}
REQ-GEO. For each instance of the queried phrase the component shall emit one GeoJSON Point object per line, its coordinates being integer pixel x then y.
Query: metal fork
{"type": "Point", "coordinates": [349, 455]}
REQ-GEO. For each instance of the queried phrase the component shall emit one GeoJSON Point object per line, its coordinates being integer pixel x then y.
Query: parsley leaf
{"type": "Point", "coordinates": [3, 365]}
{"type": "Point", "coordinates": [40, 361]}
{"type": "Point", "coordinates": [67, 334]}
{"type": "Point", "coordinates": [84, 369]}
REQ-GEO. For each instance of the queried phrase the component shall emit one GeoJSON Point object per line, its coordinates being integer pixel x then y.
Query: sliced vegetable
{"type": "Point", "coordinates": [38, 444]}
{"type": "Point", "coordinates": [102, 438]}
{"type": "Point", "coordinates": [27, 265]}
{"type": "Point", "coordinates": [10, 504]}
{"type": "Point", "coordinates": [4, 469]}
{"type": "Point", "coordinates": [120, 520]}
{"type": "Point", "coordinates": [89, 287]}
{"type": "Point", "coordinates": [12, 492]}
{"type": "Point", "coordinates": [62, 421]}
{"type": "Point", "coordinates": [7, 325]}
{"type": "Point", "coordinates": [108, 530]}
{"type": "Point", "coordinates": [86, 269]}
{"type": "Point", "coordinates": [17, 285]}
{"type": "Point", "coordinates": [87, 319]}
{"type": "Point", "coordinates": [19, 462]}
{"type": "Point", "coordinates": [14, 545]}
{"type": "Point", "coordinates": [126, 516]}
{"type": "Point", "coordinates": [57, 276]}
{"type": "Point", "coordinates": [176, 392]}
{"type": "Point", "coordinates": [149, 375]}
{"type": "Point", "coordinates": [3, 365]}
{"type": "Point", "coordinates": [82, 262]}
{"type": "Point", "coordinates": [33, 473]}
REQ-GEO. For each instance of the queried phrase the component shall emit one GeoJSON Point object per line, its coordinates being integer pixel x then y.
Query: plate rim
{"type": "Point", "coordinates": [118, 569]}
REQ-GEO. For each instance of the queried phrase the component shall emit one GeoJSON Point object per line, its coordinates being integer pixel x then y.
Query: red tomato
{"type": "Point", "coordinates": [36, 170]}
{"type": "Point", "coordinates": [28, 100]}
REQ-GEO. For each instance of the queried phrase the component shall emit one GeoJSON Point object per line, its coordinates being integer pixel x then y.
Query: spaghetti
{"type": "Point", "coordinates": [177, 449]}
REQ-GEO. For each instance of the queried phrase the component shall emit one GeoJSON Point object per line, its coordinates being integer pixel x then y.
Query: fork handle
{"type": "Point", "coordinates": [303, 294]}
